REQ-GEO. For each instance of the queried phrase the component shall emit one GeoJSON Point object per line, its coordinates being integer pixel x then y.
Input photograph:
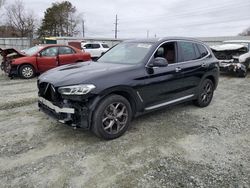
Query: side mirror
{"type": "Point", "coordinates": [39, 55]}
{"type": "Point", "coordinates": [159, 62]}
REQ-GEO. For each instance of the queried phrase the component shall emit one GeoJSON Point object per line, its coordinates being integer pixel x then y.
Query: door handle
{"type": "Point", "coordinates": [177, 69]}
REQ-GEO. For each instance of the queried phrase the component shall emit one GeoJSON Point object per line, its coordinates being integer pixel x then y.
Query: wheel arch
{"type": "Point", "coordinates": [213, 76]}
{"type": "Point", "coordinates": [126, 92]}
{"type": "Point", "coordinates": [23, 64]}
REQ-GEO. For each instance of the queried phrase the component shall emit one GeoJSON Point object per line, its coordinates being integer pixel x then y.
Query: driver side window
{"type": "Point", "coordinates": [50, 52]}
{"type": "Point", "coordinates": [167, 51]}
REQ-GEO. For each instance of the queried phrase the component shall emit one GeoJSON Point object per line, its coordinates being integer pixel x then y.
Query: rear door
{"type": "Point", "coordinates": [67, 55]}
{"type": "Point", "coordinates": [47, 59]}
{"type": "Point", "coordinates": [193, 63]}
{"type": "Point", "coordinates": [96, 50]}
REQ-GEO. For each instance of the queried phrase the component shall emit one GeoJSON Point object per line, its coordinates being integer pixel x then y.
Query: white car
{"type": "Point", "coordinates": [233, 56]}
{"type": "Point", "coordinates": [96, 49]}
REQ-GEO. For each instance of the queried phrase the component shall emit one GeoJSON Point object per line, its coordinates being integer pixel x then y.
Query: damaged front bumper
{"type": "Point", "coordinates": [67, 113]}
{"type": "Point", "coordinates": [231, 66]}
{"type": "Point", "coordinates": [9, 69]}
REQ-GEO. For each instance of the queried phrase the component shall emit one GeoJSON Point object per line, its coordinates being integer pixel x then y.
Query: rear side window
{"type": "Point", "coordinates": [94, 46]}
{"type": "Point", "coordinates": [66, 50]}
{"type": "Point", "coordinates": [188, 51]}
{"type": "Point", "coordinates": [203, 51]}
{"type": "Point", "coordinates": [105, 46]}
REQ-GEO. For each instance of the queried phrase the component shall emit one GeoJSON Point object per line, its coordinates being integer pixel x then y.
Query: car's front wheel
{"type": "Point", "coordinates": [112, 117]}
{"type": "Point", "coordinates": [26, 71]}
{"type": "Point", "coordinates": [205, 93]}
{"type": "Point", "coordinates": [243, 73]}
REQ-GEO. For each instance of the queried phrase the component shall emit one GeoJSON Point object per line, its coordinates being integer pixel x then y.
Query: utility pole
{"type": "Point", "coordinates": [147, 34]}
{"type": "Point", "coordinates": [116, 26]}
{"type": "Point", "coordinates": [83, 28]}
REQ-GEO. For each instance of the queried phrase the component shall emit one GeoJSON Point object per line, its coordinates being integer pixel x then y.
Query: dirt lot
{"type": "Point", "coordinates": [183, 146]}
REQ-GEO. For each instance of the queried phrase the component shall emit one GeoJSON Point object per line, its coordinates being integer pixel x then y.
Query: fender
{"type": "Point", "coordinates": [129, 93]}
{"type": "Point", "coordinates": [213, 75]}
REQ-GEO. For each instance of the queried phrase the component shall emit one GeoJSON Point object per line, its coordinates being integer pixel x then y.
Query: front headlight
{"type": "Point", "coordinates": [76, 89]}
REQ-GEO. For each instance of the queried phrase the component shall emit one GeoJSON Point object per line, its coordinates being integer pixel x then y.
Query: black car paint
{"type": "Point", "coordinates": [142, 85]}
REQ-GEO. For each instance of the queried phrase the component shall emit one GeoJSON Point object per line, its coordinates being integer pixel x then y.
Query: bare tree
{"type": "Point", "coordinates": [20, 19]}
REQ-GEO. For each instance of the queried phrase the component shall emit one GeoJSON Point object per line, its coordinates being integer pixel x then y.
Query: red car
{"type": "Point", "coordinates": [39, 59]}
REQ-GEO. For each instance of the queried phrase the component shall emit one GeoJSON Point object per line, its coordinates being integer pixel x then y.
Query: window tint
{"type": "Point", "coordinates": [65, 50]}
{"type": "Point", "coordinates": [88, 46]}
{"type": "Point", "coordinates": [188, 51]}
{"type": "Point", "coordinates": [203, 51]}
{"type": "Point", "coordinates": [49, 52]}
{"type": "Point", "coordinates": [95, 46]}
{"type": "Point", "coordinates": [105, 46]}
{"type": "Point", "coordinates": [167, 51]}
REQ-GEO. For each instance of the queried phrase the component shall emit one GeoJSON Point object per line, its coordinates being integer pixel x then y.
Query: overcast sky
{"type": "Point", "coordinates": [193, 18]}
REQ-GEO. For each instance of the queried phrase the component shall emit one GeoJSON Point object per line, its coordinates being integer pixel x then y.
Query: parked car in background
{"type": "Point", "coordinates": [39, 59]}
{"type": "Point", "coordinates": [96, 49]}
{"type": "Point", "coordinates": [132, 78]}
{"type": "Point", "coordinates": [234, 56]}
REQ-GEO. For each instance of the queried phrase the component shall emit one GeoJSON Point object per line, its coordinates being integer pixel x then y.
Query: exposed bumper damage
{"type": "Point", "coordinates": [233, 58]}
{"type": "Point", "coordinates": [64, 110]}
{"type": "Point", "coordinates": [7, 57]}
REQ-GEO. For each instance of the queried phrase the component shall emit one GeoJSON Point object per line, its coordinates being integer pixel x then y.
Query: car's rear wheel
{"type": "Point", "coordinates": [112, 117]}
{"type": "Point", "coordinates": [26, 71]}
{"type": "Point", "coordinates": [205, 93]}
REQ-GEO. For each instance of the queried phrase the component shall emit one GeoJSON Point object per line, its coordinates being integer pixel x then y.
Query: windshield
{"type": "Point", "coordinates": [32, 51]}
{"type": "Point", "coordinates": [126, 53]}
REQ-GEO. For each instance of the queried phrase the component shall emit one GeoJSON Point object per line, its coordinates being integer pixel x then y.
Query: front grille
{"type": "Point", "coordinates": [48, 91]}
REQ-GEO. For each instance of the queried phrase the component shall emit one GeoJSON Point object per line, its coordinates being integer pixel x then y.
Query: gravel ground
{"type": "Point", "coordinates": [183, 146]}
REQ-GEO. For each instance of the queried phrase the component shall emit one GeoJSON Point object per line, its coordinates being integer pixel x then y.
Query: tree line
{"type": "Point", "coordinates": [60, 19]}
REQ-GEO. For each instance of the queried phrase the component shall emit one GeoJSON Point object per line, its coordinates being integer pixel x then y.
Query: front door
{"type": "Point", "coordinates": [162, 83]}
{"type": "Point", "coordinates": [47, 59]}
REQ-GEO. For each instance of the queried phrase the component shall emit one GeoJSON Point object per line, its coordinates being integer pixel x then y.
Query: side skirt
{"type": "Point", "coordinates": [169, 102]}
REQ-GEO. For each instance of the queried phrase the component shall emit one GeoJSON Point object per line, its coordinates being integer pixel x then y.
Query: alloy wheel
{"type": "Point", "coordinates": [115, 118]}
{"type": "Point", "coordinates": [27, 72]}
{"type": "Point", "coordinates": [207, 93]}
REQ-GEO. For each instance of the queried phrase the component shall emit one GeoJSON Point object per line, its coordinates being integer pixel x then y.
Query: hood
{"type": "Point", "coordinates": [9, 51]}
{"type": "Point", "coordinates": [229, 47]}
{"type": "Point", "coordinates": [82, 73]}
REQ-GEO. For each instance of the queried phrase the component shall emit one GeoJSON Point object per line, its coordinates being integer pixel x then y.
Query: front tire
{"type": "Point", "coordinates": [112, 117]}
{"type": "Point", "coordinates": [27, 71]}
{"type": "Point", "coordinates": [205, 93]}
{"type": "Point", "coordinates": [243, 73]}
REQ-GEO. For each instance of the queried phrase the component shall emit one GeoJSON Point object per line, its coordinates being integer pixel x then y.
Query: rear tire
{"type": "Point", "coordinates": [26, 71]}
{"type": "Point", "coordinates": [205, 93]}
{"type": "Point", "coordinates": [112, 117]}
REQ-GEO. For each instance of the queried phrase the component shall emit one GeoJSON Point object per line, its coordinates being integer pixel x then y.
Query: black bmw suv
{"type": "Point", "coordinates": [130, 79]}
